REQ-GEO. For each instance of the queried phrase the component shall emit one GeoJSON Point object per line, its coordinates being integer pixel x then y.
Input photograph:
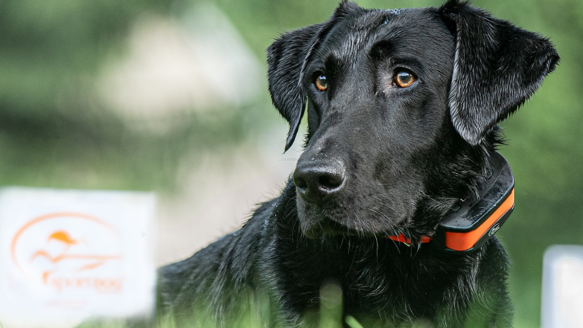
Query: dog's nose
{"type": "Point", "coordinates": [315, 180]}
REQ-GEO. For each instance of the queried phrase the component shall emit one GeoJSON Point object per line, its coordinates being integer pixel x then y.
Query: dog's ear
{"type": "Point", "coordinates": [497, 67]}
{"type": "Point", "coordinates": [286, 60]}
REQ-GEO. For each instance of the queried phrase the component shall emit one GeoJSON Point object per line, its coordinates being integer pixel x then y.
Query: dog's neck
{"type": "Point", "coordinates": [475, 218]}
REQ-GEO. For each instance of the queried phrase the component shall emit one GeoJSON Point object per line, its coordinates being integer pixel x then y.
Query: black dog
{"type": "Point", "coordinates": [402, 112]}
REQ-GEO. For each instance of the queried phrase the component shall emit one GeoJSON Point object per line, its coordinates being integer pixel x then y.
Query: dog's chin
{"type": "Point", "coordinates": [326, 228]}
{"type": "Point", "coordinates": [337, 218]}
{"type": "Point", "coordinates": [315, 227]}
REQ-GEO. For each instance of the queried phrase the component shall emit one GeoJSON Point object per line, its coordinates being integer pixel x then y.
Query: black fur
{"type": "Point", "coordinates": [378, 160]}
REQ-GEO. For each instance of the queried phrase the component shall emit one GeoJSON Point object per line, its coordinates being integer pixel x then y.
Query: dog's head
{"type": "Point", "coordinates": [402, 110]}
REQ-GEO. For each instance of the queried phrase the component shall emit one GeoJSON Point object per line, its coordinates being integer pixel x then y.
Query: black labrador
{"type": "Point", "coordinates": [402, 111]}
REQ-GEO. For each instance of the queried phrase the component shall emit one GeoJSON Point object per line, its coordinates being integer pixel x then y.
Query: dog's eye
{"type": "Point", "coordinates": [321, 83]}
{"type": "Point", "coordinates": [404, 79]}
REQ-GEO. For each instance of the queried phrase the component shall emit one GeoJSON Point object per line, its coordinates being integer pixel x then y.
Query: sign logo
{"type": "Point", "coordinates": [69, 255]}
{"type": "Point", "coordinates": [68, 252]}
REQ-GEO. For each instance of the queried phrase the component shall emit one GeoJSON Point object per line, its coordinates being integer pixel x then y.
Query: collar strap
{"type": "Point", "coordinates": [407, 241]}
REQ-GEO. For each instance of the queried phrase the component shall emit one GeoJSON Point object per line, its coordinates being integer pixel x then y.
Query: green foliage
{"type": "Point", "coordinates": [54, 129]}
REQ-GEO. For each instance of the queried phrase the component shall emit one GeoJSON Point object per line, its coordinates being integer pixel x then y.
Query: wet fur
{"type": "Point", "coordinates": [408, 155]}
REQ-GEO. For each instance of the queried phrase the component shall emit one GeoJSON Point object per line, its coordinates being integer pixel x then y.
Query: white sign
{"type": "Point", "coordinates": [67, 255]}
{"type": "Point", "coordinates": [562, 298]}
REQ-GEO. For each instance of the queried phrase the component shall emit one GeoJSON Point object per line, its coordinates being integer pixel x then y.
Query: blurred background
{"type": "Point", "coordinates": [171, 96]}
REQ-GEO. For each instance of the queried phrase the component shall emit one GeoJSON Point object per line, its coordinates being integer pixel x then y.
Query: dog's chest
{"type": "Point", "coordinates": [378, 280]}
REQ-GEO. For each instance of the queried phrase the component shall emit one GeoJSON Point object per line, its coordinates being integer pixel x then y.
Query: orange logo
{"type": "Point", "coordinates": [69, 251]}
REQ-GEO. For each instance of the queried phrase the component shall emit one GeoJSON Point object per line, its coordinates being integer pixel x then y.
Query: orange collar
{"type": "Point", "coordinates": [463, 241]}
{"type": "Point", "coordinates": [472, 221]}
{"type": "Point", "coordinates": [407, 241]}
